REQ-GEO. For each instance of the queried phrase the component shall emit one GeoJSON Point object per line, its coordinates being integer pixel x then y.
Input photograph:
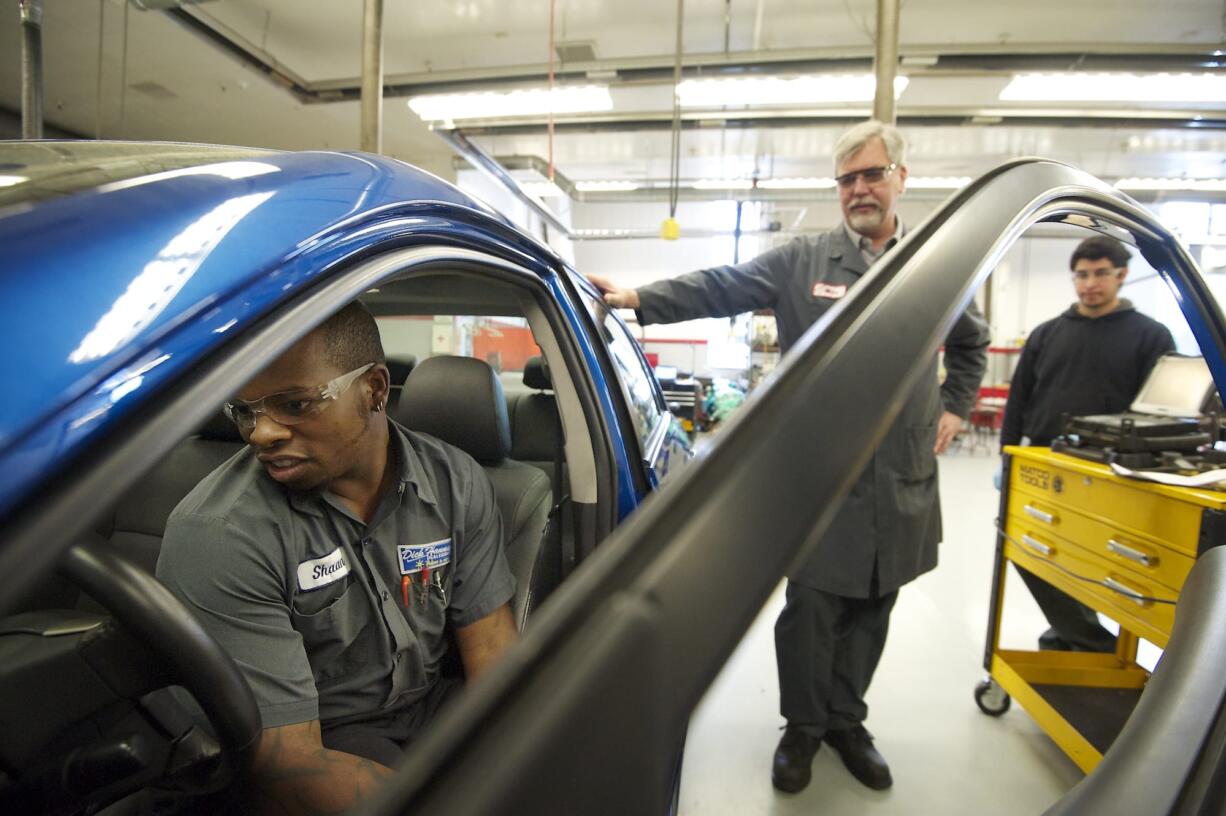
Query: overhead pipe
{"type": "Point", "coordinates": [372, 77]}
{"type": "Point", "coordinates": [486, 163]}
{"type": "Point", "coordinates": [31, 69]}
{"type": "Point", "coordinates": [885, 62]}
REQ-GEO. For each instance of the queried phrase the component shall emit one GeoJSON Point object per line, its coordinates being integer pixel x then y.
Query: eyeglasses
{"type": "Point", "coordinates": [872, 176]}
{"type": "Point", "coordinates": [1096, 274]}
{"type": "Point", "coordinates": [291, 407]}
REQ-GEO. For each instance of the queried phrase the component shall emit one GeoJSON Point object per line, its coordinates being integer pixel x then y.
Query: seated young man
{"type": "Point", "coordinates": [329, 557]}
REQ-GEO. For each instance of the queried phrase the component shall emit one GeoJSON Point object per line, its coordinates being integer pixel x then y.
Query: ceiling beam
{"type": "Point", "coordinates": [916, 60]}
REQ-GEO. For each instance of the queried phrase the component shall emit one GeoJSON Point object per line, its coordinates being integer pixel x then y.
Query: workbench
{"type": "Point", "coordinates": [1122, 547]}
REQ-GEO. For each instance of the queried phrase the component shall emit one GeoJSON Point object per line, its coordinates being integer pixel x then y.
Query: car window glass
{"type": "Point", "coordinates": [636, 382]}
{"type": "Point", "coordinates": [505, 343]}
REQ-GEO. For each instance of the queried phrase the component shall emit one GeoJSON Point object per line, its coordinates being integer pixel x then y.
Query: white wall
{"type": "Point", "coordinates": [1033, 284]}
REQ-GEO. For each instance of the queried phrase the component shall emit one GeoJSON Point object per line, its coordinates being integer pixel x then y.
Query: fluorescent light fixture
{"type": "Point", "coordinates": [796, 184]}
{"type": "Point", "coordinates": [938, 182]}
{"type": "Point", "coordinates": [723, 184]}
{"type": "Point", "coordinates": [605, 186]}
{"type": "Point", "coordinates": [524, 102]}
{"type": "Point", "coordinates": [9, 181]}
{"type": "Point", "coordinates": [814, 88]}
{"type": "Point", "coordinates": [1184, 184]}
{"type": "Point", "coordinates": [542, 189]}
{"type": "Point", "coordinates": [1102, 87]}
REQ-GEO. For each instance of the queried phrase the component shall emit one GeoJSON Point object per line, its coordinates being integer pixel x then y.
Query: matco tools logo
{"type": "Point", "coordinates": [1033, 476]}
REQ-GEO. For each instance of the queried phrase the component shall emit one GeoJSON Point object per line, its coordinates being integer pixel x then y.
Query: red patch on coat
{"type": "Point", "coordinates": [829, 290]}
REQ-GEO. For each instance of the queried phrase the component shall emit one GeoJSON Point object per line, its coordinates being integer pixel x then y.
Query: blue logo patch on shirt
{"type": "Point", "coordinates": [415, 557]}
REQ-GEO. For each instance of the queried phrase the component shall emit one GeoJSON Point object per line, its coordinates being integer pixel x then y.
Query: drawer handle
{"type": "Point", "coordinates": [1128, 592]}
{"type": "Point", "coordinates": [1036, 513]}
{"type": "Point", "coordinates": [1035, 544]}
{"type": "Point", "coordinates": [1132, 554]}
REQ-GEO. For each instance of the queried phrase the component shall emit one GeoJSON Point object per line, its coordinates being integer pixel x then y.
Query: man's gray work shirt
{"type": "Point", "coordinates": [865, 243]}
{"type": "Point", "coordinates": [330, 618]}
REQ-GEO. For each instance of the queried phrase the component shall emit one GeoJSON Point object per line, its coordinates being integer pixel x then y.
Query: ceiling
{"type": "Point", "coordinates": [285, 74]}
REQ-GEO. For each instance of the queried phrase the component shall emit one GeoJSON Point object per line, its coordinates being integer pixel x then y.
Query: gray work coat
{"type": "Point", "coordinates": [890, 523]}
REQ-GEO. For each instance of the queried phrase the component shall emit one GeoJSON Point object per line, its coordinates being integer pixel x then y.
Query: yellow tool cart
{"type": "Point", "coordinates": [1121, 546]}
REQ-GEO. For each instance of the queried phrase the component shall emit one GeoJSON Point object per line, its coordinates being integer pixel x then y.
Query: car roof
{"type": "Point", "coordinates": [110, 247]}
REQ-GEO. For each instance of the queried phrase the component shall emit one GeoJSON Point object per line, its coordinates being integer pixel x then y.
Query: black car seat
{"type": "Point", "coordinates": [137, 522]}
{"type": "Point", "coordinates": [399, 367]}
{"type": "Point", "coordinates": [537, 439]}
{"type": "Point", "coordinates": [140, 516]}
{"type": "Point", "coordinates": [460, 401]}
{"type": "Point", "coordinates": [536, 429]}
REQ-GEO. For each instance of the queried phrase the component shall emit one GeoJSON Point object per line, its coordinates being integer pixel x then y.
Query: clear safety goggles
{"type": "Point", "coordinates": [291, 407]}
{"type": "Point", "coordinates": [872, 176]}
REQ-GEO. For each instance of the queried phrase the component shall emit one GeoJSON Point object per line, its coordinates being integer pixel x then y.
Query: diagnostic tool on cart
{"type": "Point", "coordinates": [1165, 416]}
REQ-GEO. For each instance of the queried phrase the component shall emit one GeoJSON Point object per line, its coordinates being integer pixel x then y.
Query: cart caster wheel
{"type": "Point", "coordinates": [991, 698]}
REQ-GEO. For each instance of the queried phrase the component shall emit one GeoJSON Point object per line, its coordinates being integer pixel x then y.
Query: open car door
{"type": "Point", "coordinates": [585, 715]}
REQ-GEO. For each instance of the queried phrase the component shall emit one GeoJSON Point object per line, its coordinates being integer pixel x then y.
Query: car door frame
{"type": "Point", "coordinates": [68, 502]}
{"type": "Point", "coordinates": [582, 716]}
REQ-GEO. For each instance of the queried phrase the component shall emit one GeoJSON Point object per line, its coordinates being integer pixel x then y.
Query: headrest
{"type": "Point", "coordinates": [400, 366]}
{"type": "Point", "coordinates": [536, 374]}
{"type": "Point", "coordinates": [459, 400]}
{"type": "Point", "coordinates": [219, 428]}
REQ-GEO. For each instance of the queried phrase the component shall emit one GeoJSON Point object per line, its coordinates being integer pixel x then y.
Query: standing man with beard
{"type": "Point", "coordinates": [831, 633]}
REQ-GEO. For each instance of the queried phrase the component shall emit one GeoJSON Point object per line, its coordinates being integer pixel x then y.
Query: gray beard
{"type": "Point", "coordinates": [866, 223]}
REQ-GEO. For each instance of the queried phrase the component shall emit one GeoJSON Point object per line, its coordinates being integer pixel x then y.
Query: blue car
{"type": "Point", "coordinates": [142, 285]}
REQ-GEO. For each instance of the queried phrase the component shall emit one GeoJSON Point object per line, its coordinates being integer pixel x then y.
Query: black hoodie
{"type": "Point", "coordinates": [1080, 365]}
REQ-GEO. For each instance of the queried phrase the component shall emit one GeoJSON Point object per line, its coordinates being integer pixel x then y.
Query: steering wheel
{"type": "Point", "coordinates": [154, 621]}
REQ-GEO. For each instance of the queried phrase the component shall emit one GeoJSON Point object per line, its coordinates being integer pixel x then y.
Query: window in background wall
{"type": "Point", "coordinates": [1217, 221]}
{"type": "Point", "coordinates": [504, 342]}
{"type": "Point", "coordinates": [1190, 220]}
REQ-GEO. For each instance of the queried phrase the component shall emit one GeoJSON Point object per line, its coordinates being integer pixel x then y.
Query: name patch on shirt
{"type": "Point", "coordinates": [829, 290]}
{"type": "Point", "coordinates": [415, 557]}
{"type": "Point", "coordinates": [320, 572]}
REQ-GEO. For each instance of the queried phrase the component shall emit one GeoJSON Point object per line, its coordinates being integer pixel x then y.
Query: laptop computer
{"type": "Point", "coordinates": [1164, 416]}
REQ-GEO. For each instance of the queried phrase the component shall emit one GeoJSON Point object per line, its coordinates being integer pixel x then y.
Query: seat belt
{"type": "Point", "coordinates": [567, 549]}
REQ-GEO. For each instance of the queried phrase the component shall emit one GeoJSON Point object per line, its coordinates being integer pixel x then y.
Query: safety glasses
{"type": "Point", "coordinates": [1097, 274]}
{"type": "Point", "coordinates": [872, 176]}
{"type": "Point", "coordinates": [291, 407]}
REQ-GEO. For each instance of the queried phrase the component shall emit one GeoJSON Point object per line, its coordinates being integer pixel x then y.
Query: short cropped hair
{"type": "Point", "coordinates": [854, 140]}
{"type": "Point", "coordinates": [351, 338]}
{"type": "Point", "coordinates": [1099, 247]}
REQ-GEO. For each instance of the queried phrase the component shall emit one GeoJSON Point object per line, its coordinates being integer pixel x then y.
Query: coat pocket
{"type": "Point", "coordinates": [916, 461]}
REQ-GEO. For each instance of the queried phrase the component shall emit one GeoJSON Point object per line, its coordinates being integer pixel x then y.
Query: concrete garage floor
{"type": "Point", "coordinates": [946, 756]}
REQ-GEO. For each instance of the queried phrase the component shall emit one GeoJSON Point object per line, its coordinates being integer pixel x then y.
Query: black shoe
{"type": "Point", "coordinates": [855, 746]}
{"type": "Point", "coordinates": [793, 763]}
{"type": "Point", "coordinates": [1050, 641]}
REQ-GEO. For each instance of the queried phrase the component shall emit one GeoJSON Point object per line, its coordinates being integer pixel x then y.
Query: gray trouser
{"type": "Point", "coordinates": [1075, 623]}
{"type": "Point", "coordinates": [384, 738]}
{"type": "Point", "coordinates": [827, 647]}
